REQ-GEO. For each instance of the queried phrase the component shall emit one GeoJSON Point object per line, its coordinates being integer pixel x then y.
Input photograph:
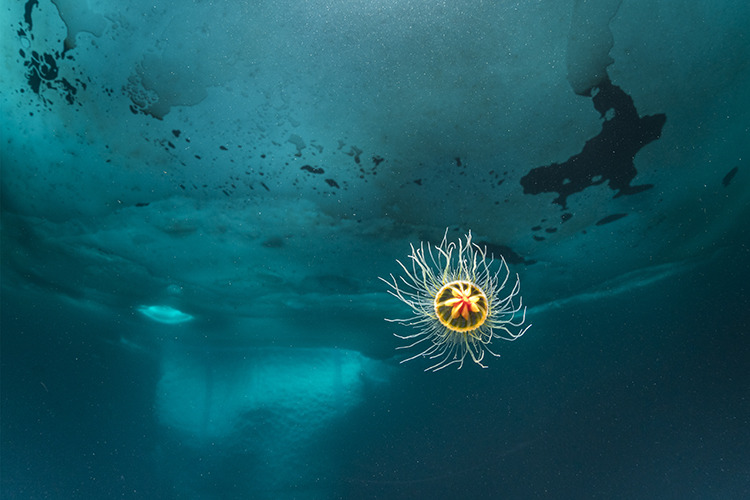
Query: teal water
{"type": "Point", "coordinates": [197, 205]}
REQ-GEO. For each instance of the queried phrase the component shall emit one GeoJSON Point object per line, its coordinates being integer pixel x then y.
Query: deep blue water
{"type": "Point", "coordinates": [644, 395]}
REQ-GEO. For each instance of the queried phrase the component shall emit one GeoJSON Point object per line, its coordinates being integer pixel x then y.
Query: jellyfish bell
{"type": "Point", "coordinates": [461, 300]}
{"type": "Point", "coordinates": [461, 306]}
{"type": "Point", "coordinates": [164, 314]}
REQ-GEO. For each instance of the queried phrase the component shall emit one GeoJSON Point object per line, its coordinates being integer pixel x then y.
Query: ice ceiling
{"type": "Point", "coordinates": [254, 163]}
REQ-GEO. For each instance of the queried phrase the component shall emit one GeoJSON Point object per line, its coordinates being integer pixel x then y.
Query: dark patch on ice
{"type": "Point", "coordinates": [332, 183]}
{"type": "Point", "coordinates": [610, 218]}
{"type": "Point", "coordinates": [311, 169]}
{"type": "Point", "coordinates": [458, 162]}
{"type": "Point", "coordinates": [43, 69]}
{"type": "Point", "coordinates": [364, 169]}
{"type": "Point", "coordinates": [605, 157]}
{"type": "Point", "coordinates": [500, 178]}
{"type": "Point", "coordinates": [142, 204]}
{"type": "Point", "coordinates": [566, 217]}
{"type": "Point", "coordinates": [730, 175]}
{"type": "Point", "coordinates": [355, 152]}
{"type": "Point", "coordinates": [27, 12]}
{"type": "Point", "coordinates": [418, 182]}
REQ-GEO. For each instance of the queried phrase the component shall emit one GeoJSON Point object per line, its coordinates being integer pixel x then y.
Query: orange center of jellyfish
{"type": "Point", "coordinates": [461, 306]}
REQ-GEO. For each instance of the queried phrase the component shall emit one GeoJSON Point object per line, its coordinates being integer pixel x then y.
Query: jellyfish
{"type": "Point", "coordinates": [461, 299]}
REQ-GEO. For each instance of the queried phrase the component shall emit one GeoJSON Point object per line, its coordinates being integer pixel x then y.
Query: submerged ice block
{"type": "Point", "coordinates": [270, 409]}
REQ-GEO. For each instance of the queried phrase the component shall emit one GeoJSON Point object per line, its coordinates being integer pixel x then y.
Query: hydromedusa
{"type": "Point", "coordinates": [461, 298]}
